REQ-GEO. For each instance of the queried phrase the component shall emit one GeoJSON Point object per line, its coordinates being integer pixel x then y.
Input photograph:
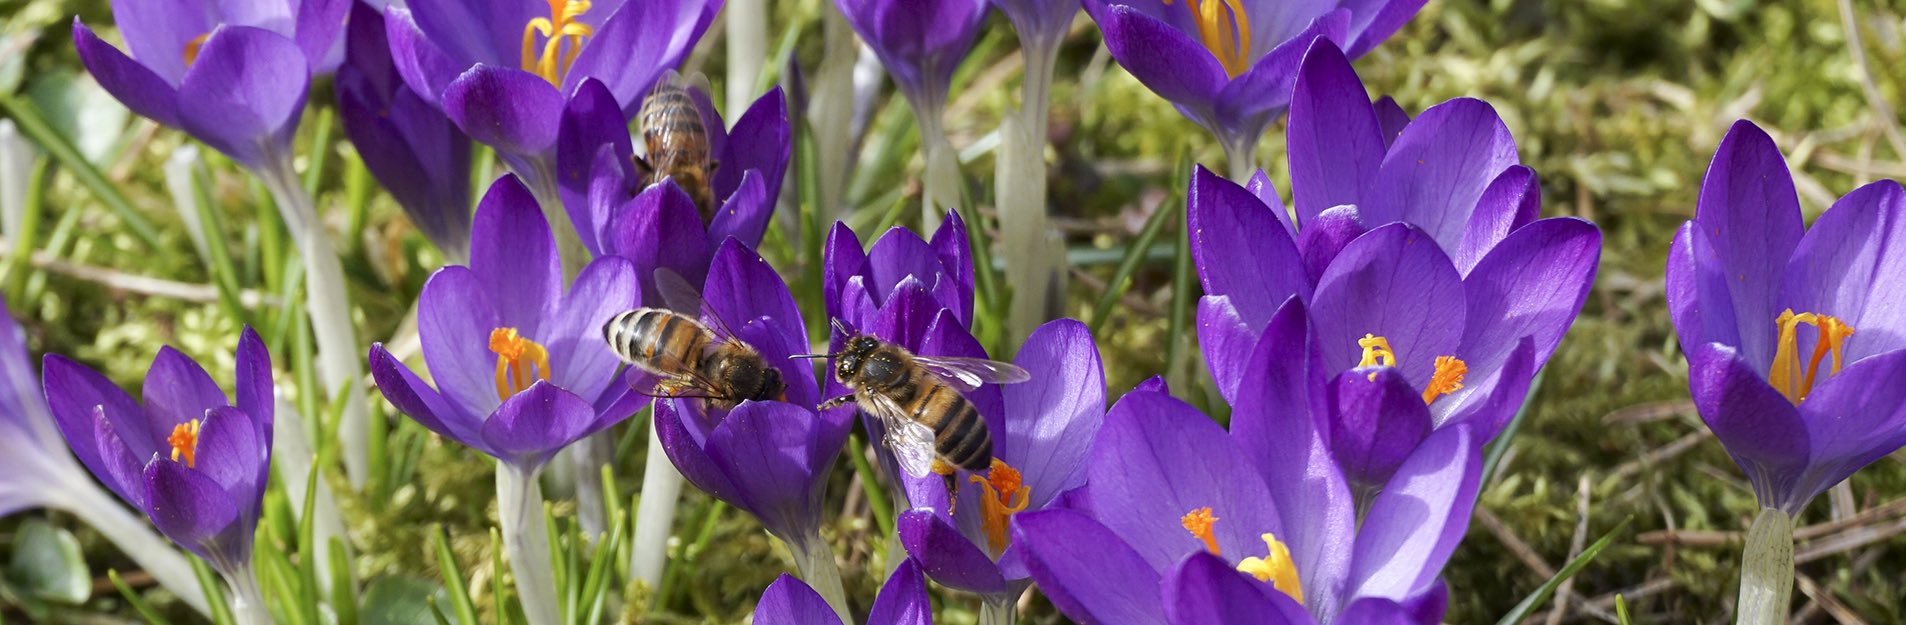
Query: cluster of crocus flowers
{"type": "Point", "coordinates": [1436, 294]}
{"type": "Point", "coordinates": [520, 367]}
{"type": "Point", "coordinates": [1229, 64]}
{"type": "Point", "coordinates": [193, 460]}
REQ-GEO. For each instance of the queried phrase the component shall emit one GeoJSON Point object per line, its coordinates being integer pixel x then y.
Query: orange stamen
{"type": "Point", "coordinates": [192, 48]}
{"type": "Point", "coordinates": [185, 442]}
{"type": "Point", "coordinates": [1786, 375]}
{"type": "Point", "coordinates": [1226, 31]}
{"type": "Point", "coordinates": [1005, 496]}
{"type": "Point", "coordinates": [1447, 379]}
{"type": "Point", "coordinates": [1199, 522]}
{"type": "Point", "coordinates": [520, 362]}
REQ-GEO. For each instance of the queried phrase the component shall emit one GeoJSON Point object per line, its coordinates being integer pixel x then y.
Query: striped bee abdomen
{"type": "Point", "coordinates": [656, 340]}
{"type": "Point", "coordinates": [960, 434]}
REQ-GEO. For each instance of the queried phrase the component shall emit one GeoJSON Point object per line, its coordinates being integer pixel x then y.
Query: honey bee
{"type": "Point", "coordinates": [677, 142]}
{"type": "Point", "coordinates": [694, 359]}
{"type": "Point", "coordinates": [931, 426]}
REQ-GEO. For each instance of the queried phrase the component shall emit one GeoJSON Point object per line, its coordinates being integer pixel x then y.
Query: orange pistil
{"type": "Point", "coordinates": [1448, 378]}
{"type": "Point", "coordinates": [185, 442]}
{"type": "Point", "coordinates": [1199, 522]}
{"type": "Point", "coordinates": [1787, 376]}
{"type": "Point", "coordinates": [520, 362]}
{"type": "Point", "coordinates": [549, 59]}
{"type": "Point", "coordinates": [1005, 496]}
{"type": "Point", "coordinates": [192, 48]}
{"type": "Point", "coordinates": [1226, 31]}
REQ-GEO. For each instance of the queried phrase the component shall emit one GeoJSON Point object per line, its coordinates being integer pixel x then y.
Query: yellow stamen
{"type": "Point", "coordinates": [1005, 496]}
{"type": "Point", "coordinates": [1787, 376]}
{"type": "Point", "coordinates": [185, 442]}
{"type": "Point", "coordinates": [1226, 31]}
{"type": "Point", "coordinates": [1448, 378]}
{"type": "Point", "coordinates": [1199, 523]}
{"type": "Point", "coordinates": [1275, 567]}
{"type": "Point", "coordinates": [1376, 352]}
{"type": "Point", "coordinates": [520, 362]}
{"type": "Point", "coordinates": [549, 59]}
{"type": "Point", "coordinates": [192, 48]}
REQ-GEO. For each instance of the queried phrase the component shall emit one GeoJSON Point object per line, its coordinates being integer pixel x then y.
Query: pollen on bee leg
{"type": "Point", "coordinates": [1275, 567]}
{"type": "Point", "coordinates": [1199, 522]}
{"type": "Point", "coordinates": [1006, 495]}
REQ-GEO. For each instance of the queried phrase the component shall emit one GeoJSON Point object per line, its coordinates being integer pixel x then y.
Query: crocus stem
{"type": "Point", "coordinates": [655, 514]}
{"type": "Point", "coordinates": [814, 560]}
{"type": "Point", "coordinates": [519, 501]}
{"type": "Point", "coordinates": [1767, 570]}
{"type": "Point", "coordinates": [747, 49]}
{"type": "Point", "coordinates": [135, 538]}
{"type": "Point", "coordinates": [248, 600]}
{"type": "Point", "coordinates": [830, 111]}
{"type": "Point", "coordinates": [1033, 259]}
{"type": "Point", "coordinates": [1238, 158]}
{"type": "Point", "coordinates": [328, 305]}
{"type": "Point", "coordinates": [940, 183]}
{"type": "Point", "coordinates": [996, 610]}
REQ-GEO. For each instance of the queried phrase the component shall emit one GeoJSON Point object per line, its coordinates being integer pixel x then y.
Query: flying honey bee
{"type": "Point", "coordinates": [677, 142]}
{"type": "Point", "coordinates": [694, 359]}
{"type": "Point", "coordinates": [931, 426]}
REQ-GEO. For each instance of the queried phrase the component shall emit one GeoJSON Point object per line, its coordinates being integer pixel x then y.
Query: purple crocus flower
{"type": "Point", "coordinates": [921, 42]}
{"type": "Point", "coordinates": [658, 225]}
{"type": "Point", "coordinates": [231, 74]}
{"type": "Point", "coordinates": [1437, 295]}
{"type": "Point", "coordinates": [1795, 340]}
{"type": "Point", "coordinates": [195, 462]}
{"type": "Point", "coordinates": [857, 285]}
{"type": "Point", "coordinates": [503, 69]}
{"type": "Point", "coordinates": [1180, 522]}
{"type": "Point", "coordinates": [519, 362]}
{"type": "Point", "coordinates": [408, 145]}
{"type": "Point", "coordinates": [902, 601]}
{"type": "Point", "coordinates": [1229, 64]}
{"type": "Point", "coordinates": [1039, 22]}
{"type": "Point", "coordinates": [1039, 449]}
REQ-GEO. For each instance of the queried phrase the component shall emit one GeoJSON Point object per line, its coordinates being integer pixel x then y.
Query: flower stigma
{"type": "Point", "coordinates": [1199, 522]}
{"type": "Point", "coordinates": [185, 442]}
{"type": "Point", "coordinates": [1787, 376]}
{"type": "Point", "coordinates": [520, 362]}
{"type": "Point", "coordinates": [1275, 567]}
{"type": "Point", "coordinates": [192, 48]}
{"type": "Point", "coordinates": [1445, 379]}
{"type": "Point", "coordinates": [1226, 31]}
{"type": "Point", "coordinates": [550, 60]}
{"type": "Point", "coordinates": [1005, 495]}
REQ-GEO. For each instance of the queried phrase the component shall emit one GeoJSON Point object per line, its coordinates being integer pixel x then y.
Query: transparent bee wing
{"type": "Point", "coordinates": [911, 442]}
{"type": "Point", "coordinates": [966, 374]}
{"type": "Point", "coordinates": [682, 296]}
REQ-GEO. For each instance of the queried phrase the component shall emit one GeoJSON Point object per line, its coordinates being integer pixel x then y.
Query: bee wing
{"type": "Point", "coordinates": [911, 442]}
{"type": "Point", "coordinates": [683, 297]}
{"type": "Point", "coordinates": [966, 374]}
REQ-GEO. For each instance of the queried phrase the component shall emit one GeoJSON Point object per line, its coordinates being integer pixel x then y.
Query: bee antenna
{"type": "Point", "coordinates": [809, 356]}
{"type": "Point", "coordinates": [841, 327]}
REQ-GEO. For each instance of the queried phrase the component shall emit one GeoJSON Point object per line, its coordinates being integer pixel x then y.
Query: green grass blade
{"type": "Point", "coordinates": [453, 580]}
{"type": "Point", "coordinates": [1542, 594]}
{"type": "Point", "coordinates": [1134, 255]}
{"type": "Point", "coordinates": [214, 592]}
{"type": "Point", "coordinates": [343, 589]}
{"type": "Point", "coordinates": [138, 603]}
{"type": "Point", "coordinates": [870, 485]}
{"type": "Point", "coordinates": [36, 127]}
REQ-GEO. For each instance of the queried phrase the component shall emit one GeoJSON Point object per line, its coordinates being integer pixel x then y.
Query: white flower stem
{"type": "Point", "coordinates": [996, 610]}
{"type": "Point", "coordinates": [1034, 257]}
{"type": "Point", "coordinates": [519, 501]}
{"type": "Point", "coordinates": [135, 538]}
{"type": "Point", "coordinates": [814, 560]}
{"type": "Point", "coordinates": [830, 111]}
{"type": "Point", "coordinates": [328, 305]}
{"type": "Point", "coordinates": [654, 515]}
{"type": "Point", "coordinates": [292, 453]}
{"type": "Point", "coordinates": [1767, 570]}
{"type": "Point", "coordinates": [940, 183]}
{"type": "Point", "coordinates": [1239, 158]}
{"type": "Point", "coordinates": [747, 50]}
{"type": "Point", "coordinates": [247, 599]}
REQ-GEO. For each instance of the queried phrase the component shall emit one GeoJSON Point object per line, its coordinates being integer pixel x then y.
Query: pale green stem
{"type": "Point", "coordinates": [339, 354]}
{"type": "Point", "coordinates": [247, 599]}
{"type": "Point", "coordinates": [292, 453]}
{"type": "Point", "coordinates": [1767, 570]}
{"type": "Point", "coordinates": [830, 110]}
{"type": "Point", "coordinates": [180, 170]}
{"type": "Point", "coordinates": [896, 552]}
{"type": "Point", "coordinates": [996, 610]}
{"type": "Point", "coordinates": [814, 560]}
{"type": "Point", "coordinates": [747, 50]}
{"type": "Point", "coordinates": [1034, 256]}
{"type": "Point", "coordinates": [1239, 158]}
{"type": "Point", "coordinates": [940, 183]}
{"type": "Point", "coordinates": [153, 553]}
{"type": "Point", "coordinates": [655, 514]}
{"type": "Point", "coordinates": [519, 501]}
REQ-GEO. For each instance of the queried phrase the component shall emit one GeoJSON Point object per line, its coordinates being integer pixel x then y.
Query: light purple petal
{"type": "Point", "coordinates": [479, 31]}
{"type": "Point", "coordinates": [744, 288]}
{"type": "Point", "coordinates": [1241, 250]}
{"type": "Point", "coordinates": [660, 228]}
{"type": "Point", "coordinates": [948, 556]}
{"type": "Point", "coordinates": [767, 450]}
{"type": "Point", "coordinates": [580, 360]}
{"type": "Point", "coordinates": [1325, 236]}
{"type": "Point", "coordinates": [454, 320]}
{"type": "Point", "coordinates": [1851, 265]}
{"type": "Point", "coordinates": [789, 601]}
{"type": "Point", "coordinates": [229, 453]}
{"type": "Point", "coordinates": [1416, 522]}
{"type": "Point", "coordinates": [843, 258]}
{"type": "Point", "coordinates": [1439, 167]}
{"type": "Point", "coordinates": [1532, 285]}
{"type": "Point", "coordinates": [531, 426]}
{"type": "Point", "coordinates": [188, 506]}
{"type": "Point", "coordinates": [133, 84]}
{"type": "Point", "coordinates": [951, 245]}
{"type": "Point", "coordinates": [1335, 142]}
{"type": "Point", "coordinates": [120, 469]}
{"type": "Point", "coordinates": [675, 426]}
{"type": "Point", "coordinates": [1087, 571]}
{"type": "Point", "coordinates": [177, 390]}
{"type": "Point", "coordinates": [73, 391]}
{"type": "Point", "coordinates": [1749, 211]}
{"type": "Point", "coordinates": [1165, 59]}
{"type": "Point", "coordinates": [246, 92]}
{"type": "Point", "coordinates": [1227, 342]}
{"type": "Point", "coordinates": [509, 109]}
{"type": "Point", "coordinates": [1700, 300]}
{"type": "Point", "coordinates": [1205, 590]}
{"type": "Point", "coordinates": [761, 141]}
{"type": "Point", "coordinates": [157, 33]}
{"type": "Point", "coordinates": [1382, 612]}
{"type": "Point", "coordinates": [744, 214]}
{"type": "Point", "coordinates": [1376, 420]}
{"type": "Point", "coordinates": [414, 397]}
{"type": "Point", "coordinates": [1392, 119]}
{"type": "Point", "coordinates": [318, 24]}
{"type": "Point", "coordinates": [903, 599]}
{"type": "Point", "coordinates": [513, 256]}
{"type": "Point", "coordinates": [1764, 433]}
{"type": "Point", "coordinates": [424, 66]}
{"type": "Point", "coordinates": [590, 122]}
{"type": "Point", "coordinates": [1052, 418]}
{"type": "Point", "coordinates": [1853, 418]}
{"type": "Point", "coordinates": [637, 42]}
{"type": "Point", "coordinates": [1373, 24]}
{"type": "Point", "coordinates": [1392, 282]}
{"type": "Point", "coordinates": [1260, 186]}
{"type": "Point", "coordinates": [1513, 200]}
{"type": "Point", "coordinates": [1250, 101]}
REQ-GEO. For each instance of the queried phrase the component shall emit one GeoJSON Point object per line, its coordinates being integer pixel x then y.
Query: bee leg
{"type": "Point", "coordinates": [835, 402]}
{"type": "Point", "coordinates": [642, 166]}
{"type": "Point", "coordinates": [950, 473]}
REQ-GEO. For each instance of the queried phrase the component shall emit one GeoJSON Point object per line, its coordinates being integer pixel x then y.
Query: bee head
{"type": "Point", "coordinates": [848, 366]}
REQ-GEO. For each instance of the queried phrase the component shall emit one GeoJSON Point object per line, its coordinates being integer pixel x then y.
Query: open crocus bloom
{"type": "Point", "coordinates": [902, 601]}
{"type": "Point", "coordinates": [1038, 454]}
{"type": "Point", "coordinates": [194, 461]}
{"type": "Point", "coordinates": [1795, 338]}
{"type": "Point", "coordinates": [857, 285]}
{"type": "Point", "coordinates": [1229, 64]}
{"type": "Point", "coordinates": [503, 69]}
{"type": "Point", "coordinates": [231, 74]}
{"type": "Point", "coordinates": [520, 367]}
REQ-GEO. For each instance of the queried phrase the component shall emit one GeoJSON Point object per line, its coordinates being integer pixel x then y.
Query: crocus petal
{"type": "Point", "coordinates": [133, 84]}
{"type": "Point", "coordinates": [660, 228]}
{"type": "Point", "coordinates": [454, 320]}
{"type": "Point", "coordinates": [844, 258]}
{"type": "Point", "coordinates": [950, 244]}
{"type": "Point", "coordinates": [578, 357]}
{"type": "Point", "coordinates": [1260, 186]}
{"type": "Point", "coordinates": [177, 390]}
{"type": "Point", "coordinates": [1392, 118]}
{"type": "Point", "coordinates": [1762, 431]}
{"type": "Point", "coordinates": [247, 89]}
{"type": "Point", "coordinates": [947, 555]}
{"type": "Point", "coordinates": [73, 391]}
{"type": "Point", "coordinates": [591, 121]}
{"type": "Point", "coordinates": [1853, 418]}
{"type": "Point", "coordinates": [1393, 282]}
{"type": "Point", "coordinates": [767, 451]}
{"type": "Point", "coordinates": [1052, 418]}
{"type": "Point", "coordinates": [1373, 24]}
{"type": "Point", "coordinates": [1325, 236]}
{"type": "Point", "coordinates": [1204, 589]}
{"type": "Point", "coordinates": [685, 449]}
{"type": "Point", "coordinates": [1086, 570]}
{"type": "Point", "coordinates": [1513, 200]}
{"type": "Point", "coordinates": [424, 66]}
{"type": "Point", "coordinates": [899, 254]}
{"type": "Point", "coordinates": [477, 31]}
{"type": "Point", "coordinates": [509, 109]}
{"type": "Point", "coordinates": [1226, 340]}
{"type": "Point", "coordinates": [228, 452]}
{"type": "Point", "coordinates": [1249, 102]}
{"type": "Point", "coordinates": [1849, 265]}
{"type": "Point", "coordinates": [1334, 140]}
{"type": "Point", "coordinates": [157, 33]}
{"type": "Point", "coordinates": [1375, 611]}
{"type": "Point", "coordinates": [1700, 300]}
{"type": "Point", "coordinates": [635, 44]}
{"type": "Point", "coordinates": [23, 413]}
{"type": "Point", "coordinates": [416, 153]}
{"type": "Point", "coordinates": [318, 25]}
{"type": "Point", "coordinates": [1508, 389]}
{"type": "Point", "coordinates": [1532, 285]}
{"type": "Point", "coordinates": [789, 601]}
{"type": "Point", "coordinates": [903, 599]}
{"type": "Point", "coordinates": [1241, 250]}
{"type": "Point", "coordinates": [744, 214]}
{"type": "Point", "coordinates": [1376, 420]}
{"type": "Point", "coordinates": [187, 506]}
{"type": "Point", "coordinates": [513, 256]}
{"type": "Point", "coordinates": [1439, 167]}
{"type": "Point", "coordinates": [1416, 522]}
{"type": "Point", "coordinates": [413, 397]}
{"type": "Point", "coordinates": [1164, 58]}
{"type": "Point", "coordinates": [761, 141]}
{"type": "Point", "coordinates": [1749, 211]}
{"type": "Point", "coordinates": [1156, 459]}
{"type": "Point", "coordinates": [531, 426]}
{"type": "Point", "coordinates": [122, 471]}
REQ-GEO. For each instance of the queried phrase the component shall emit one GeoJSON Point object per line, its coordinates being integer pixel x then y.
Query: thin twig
{"type": "Point", "coordinates": [1874, 99]}
{"type": "Point", "coordinates": [1657, 456]}
{"type": "Point", "coordinates": [142, 285]}
{"type": "Point", "coordinates": [1566, 590]}
{"type": "Point", "coordinates": [1824, 598]}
